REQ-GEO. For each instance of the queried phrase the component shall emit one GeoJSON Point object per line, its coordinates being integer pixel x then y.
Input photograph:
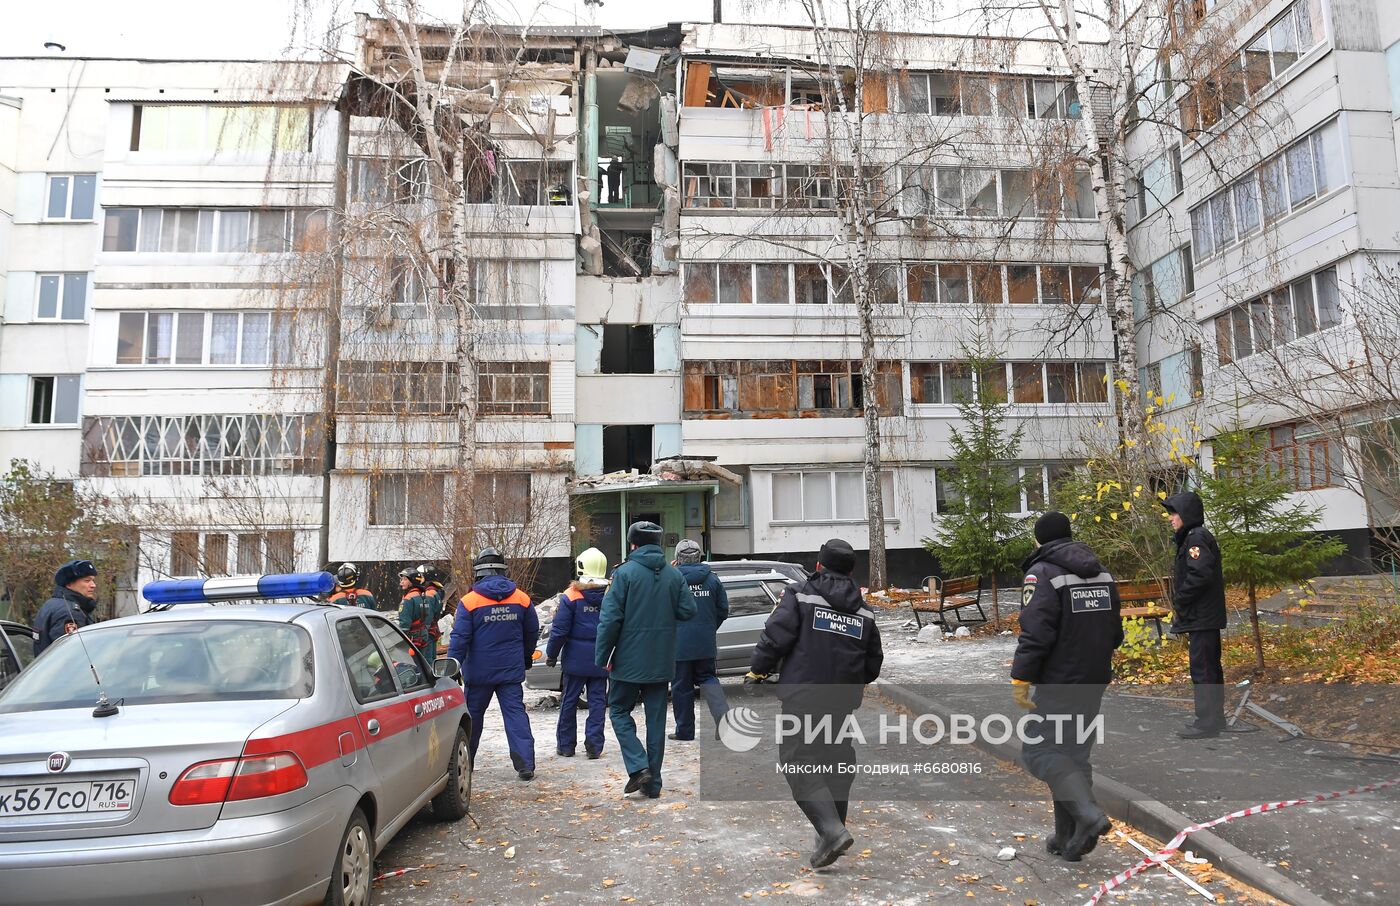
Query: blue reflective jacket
{"type": "Point", "coordinates": [695, 638]}
{"type": "Point", "coordinates": [494, 633]}
{"type": "Point", "coordinates": [575, 631]}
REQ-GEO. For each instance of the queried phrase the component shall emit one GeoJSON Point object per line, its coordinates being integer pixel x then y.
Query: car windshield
{"type": "Point", "coordinates": [218, 660]}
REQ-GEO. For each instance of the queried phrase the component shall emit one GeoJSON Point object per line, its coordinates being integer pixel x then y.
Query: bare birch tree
{"type": "Point", "coordinates": [421, 233]}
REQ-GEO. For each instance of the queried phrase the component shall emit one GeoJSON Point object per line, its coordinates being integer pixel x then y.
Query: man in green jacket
{"type": "Point", "coordinates": [637, 645]}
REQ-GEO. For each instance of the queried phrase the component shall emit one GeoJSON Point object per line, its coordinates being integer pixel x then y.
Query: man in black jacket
{"type": "Point", "coordinates": [71, 606]}
{"type": "Point", "coordinates": [1198, 597]}
{"type": "Point", "coordinates": [1070, 625]}
{"type": "Point", "coordinates": [825, 642]}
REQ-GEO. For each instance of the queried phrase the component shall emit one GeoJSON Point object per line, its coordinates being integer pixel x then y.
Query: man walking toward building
{"type": "Point", "coordinates": [637, 645]}
{"type": "Point", "coordinates": [695, 643]}
{"type": "Point", "coordinates": [493, 637]}
{"type": "Point", "coordinates": [1070, 626]}
{"type": "Point", "coordinates": [1198, 599]}
{"type": "Point", "coordinates": [70, 607]}
{"type": "Point", "coordinates": [574, 633]}
{"type": "Point", "coordinates": [827, 645]}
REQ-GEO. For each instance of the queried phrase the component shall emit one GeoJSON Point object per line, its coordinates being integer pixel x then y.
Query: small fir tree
{"type": "Point", "coordinates": [1264, 539]}
{"type": "Point", "coordinates": [979, 536]}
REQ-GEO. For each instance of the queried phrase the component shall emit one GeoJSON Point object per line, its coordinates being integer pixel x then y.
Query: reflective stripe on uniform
{"type": "Point", "coordinates": [819, 601]}
{"type": "Point", "coordinates": [472, 600]}
{"type": "Point", "coordinates": [1071, 579]}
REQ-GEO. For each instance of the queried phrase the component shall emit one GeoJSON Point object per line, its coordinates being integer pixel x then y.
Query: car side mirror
{"type": "Point", "coordinates": [447, 667]}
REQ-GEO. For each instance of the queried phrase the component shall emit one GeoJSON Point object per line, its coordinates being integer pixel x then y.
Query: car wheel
{"type": "Point", "coordinates": [353, 871]}
{"type": "Point", "coordinates": [452, 803]}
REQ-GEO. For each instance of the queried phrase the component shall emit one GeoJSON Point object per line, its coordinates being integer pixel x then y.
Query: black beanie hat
{"type": "Point", "coordinates": [837, 556]}
{"type": "Point", "coordinates": [1053, 526]}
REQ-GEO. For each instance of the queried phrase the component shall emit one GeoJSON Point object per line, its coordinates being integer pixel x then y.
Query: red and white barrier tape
{"type": "Point", "coordinates": [397, 873]}
{"type": "Point", "coordinates": [1167, 851]}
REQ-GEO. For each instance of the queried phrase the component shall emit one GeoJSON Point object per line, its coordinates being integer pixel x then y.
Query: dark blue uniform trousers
{"type": "Point", "coordinates": [1052, 757]}
{"type": "Point", "coordinates": [691, 675]}
{"type": "Point", "coordinates": [567, 733]}
{"type": "Point", "coordinates": [622, 698]}
{"type": "Point", "coordinates": [1207, 678]}
{"type": "Point", "coordinates": [510, 697]}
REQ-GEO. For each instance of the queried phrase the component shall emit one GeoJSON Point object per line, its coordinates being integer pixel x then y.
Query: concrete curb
{"type": "Point", "coordinates": [1134, 807]}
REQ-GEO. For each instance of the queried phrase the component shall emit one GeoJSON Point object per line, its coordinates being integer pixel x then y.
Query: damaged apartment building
{"type": "Point", "coordinates": [654, 221]}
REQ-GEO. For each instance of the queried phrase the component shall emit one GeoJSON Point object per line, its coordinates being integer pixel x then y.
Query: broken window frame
{"type": "Point", "coordinates": [777, 388]}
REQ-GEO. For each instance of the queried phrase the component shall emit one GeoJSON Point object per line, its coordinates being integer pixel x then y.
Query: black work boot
{"type": "Point", "coordinates": [1072, 788]}
{"type": "Point", "coordinates": [638, 780]}
{"type": "Point", "coordinates": [832, 837]}
{"type": "Point", "coordinates": [1064, 829]}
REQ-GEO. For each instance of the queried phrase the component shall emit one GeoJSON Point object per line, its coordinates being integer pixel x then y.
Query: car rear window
{"type": "Point", "coordinates": [224, 660]}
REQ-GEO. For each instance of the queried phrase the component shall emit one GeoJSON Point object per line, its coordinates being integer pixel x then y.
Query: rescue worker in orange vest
{"type": "Point", "coordinates": [429, 579]}
{"type": "Point", "coordinates": [493, 638]}
{"type": "Point", "coordinates": [413, 610]}
{"type": "Point", "coordinates": [348, 590]}
{"type": "Point", "coordinates": [574, 633]}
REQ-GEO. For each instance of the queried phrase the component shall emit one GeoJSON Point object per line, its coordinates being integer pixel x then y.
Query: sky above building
{"type": "Point", "coordinates": [264, 29]}
{"type": "Point", "coordinates": [269, 29]}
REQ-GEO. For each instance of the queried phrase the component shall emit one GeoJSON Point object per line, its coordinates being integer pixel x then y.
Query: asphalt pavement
{"type": "Point", "coordinates": [1344, 850]}
{"type": "Point", "coordinates": [571, 836]}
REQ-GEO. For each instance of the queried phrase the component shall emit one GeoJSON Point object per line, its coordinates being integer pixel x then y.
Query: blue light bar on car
{"type": "Point", "coordinates": [229, 588]}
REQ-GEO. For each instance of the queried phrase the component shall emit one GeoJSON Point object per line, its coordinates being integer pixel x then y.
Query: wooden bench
{"type": "Point", "coordinates": [950, 595]}
{"type": "Point", "coordinates": [1148, 600]}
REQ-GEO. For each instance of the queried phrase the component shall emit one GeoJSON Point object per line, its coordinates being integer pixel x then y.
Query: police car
{"type": "Point", "coordinates": [252, 754]}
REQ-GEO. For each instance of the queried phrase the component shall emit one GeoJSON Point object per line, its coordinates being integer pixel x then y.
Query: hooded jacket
{"type": "Point", "coordinates": [637, 628]}
{"type": "Point", "coordinates": [1198, 584]}
{"type": "Point", "coordinates": [64, 607]}
{"type": "Point", "coordinates": [574, 631]}
{"type": "Point", "coordinates": [494, 633]}
{"type": "Point", "coordinates": [695, 638]}
{"type": "Point", "coordinates": [821, 633]}
{"type": "Point", "coordinates": [1070, 620]}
